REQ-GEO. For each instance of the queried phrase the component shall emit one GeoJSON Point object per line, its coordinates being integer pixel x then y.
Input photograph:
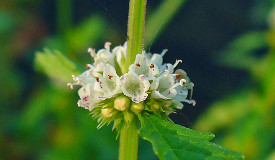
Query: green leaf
{"type": "Point", "coordinates": [56, 65]}
{"type": "Point", "coordinates": [174, 142]}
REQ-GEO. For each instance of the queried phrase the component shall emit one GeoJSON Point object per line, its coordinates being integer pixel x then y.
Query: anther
{"type": "Point", "coordinates": [70, 85]}
{"type": "Point", "coordinates": [87, 66]}
{"type": "Point", "coordinates": [182, 81]}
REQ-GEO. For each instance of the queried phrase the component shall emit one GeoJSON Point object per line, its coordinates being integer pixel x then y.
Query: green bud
{"type": "Point", "coordinates": [137, 107]}
{"type": "Point", "coordinates": [128, 116]}
{"type": "Point", "coordinates": [167, 103]}
{"type": "Point", "coordinates": [155, 106]}
{"type": "Point", "coordinates": [107, 112]}
{"type": "Point", "coordinates": [121, 103]}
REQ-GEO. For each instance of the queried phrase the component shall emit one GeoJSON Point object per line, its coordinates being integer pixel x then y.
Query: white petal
{"type": "Point", "coordinates": [109, 83]}
{"type": "Point", "coordinates": [143, 67]}
{"type": "Point", "coordinates": [156, 94]}
{"type": "Point", "coordinates": [120, 53]}
{"type": "Point", "coordinates": [104, 56]}
{"type": "Point", "coordinates": [154, 85]}
{"type": "Point", "coordinates": [158, 58]}
{"type": "Point", "coordinates": [135, 86]}
{"type": "Point", "coordinates": [88, 97]}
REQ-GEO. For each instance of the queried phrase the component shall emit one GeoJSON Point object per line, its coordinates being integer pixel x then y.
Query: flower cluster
{"type": "Point", "coordinates": [148, 86]}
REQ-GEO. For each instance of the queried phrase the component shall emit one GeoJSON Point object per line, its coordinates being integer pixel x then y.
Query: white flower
{"type": "Point", "coordinates": [108, 83]}
{"type": "Point", "coordinates": [165, 87]}
{"type": "Point", "coordinates": [104, 84]}
{"type": "Point", "coordinates": [88, 96]}
{"type": "Point", "coordinates": [168, 67]}
{"type": "Point", "coordinates": [135, 86]}
{"type": "Point", "coordinates": [103, 55]}
{"type": "Point", "coordinates": [158, 58]}
{"type": "Point", "coordinates": [120, 53]}
{"type": "Point", "coordinates": [143, 67]}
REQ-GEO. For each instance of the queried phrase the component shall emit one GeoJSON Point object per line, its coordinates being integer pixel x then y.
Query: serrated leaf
{"type": "Point", "coordinates": [56, 65]}
{"type": "Point", "coordinates": [174, 142]}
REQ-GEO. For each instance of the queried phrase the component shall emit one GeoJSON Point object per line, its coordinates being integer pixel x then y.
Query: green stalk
{"type": "Point", "coordinates": [136, 21]}
{"type": "Point", "coordinates": [128, 147]}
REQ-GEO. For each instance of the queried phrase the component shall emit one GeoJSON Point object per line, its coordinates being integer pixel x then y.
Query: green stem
{"type": "Point", "coordinates": [128, 147]}
{"type": "Point", "coordinates": [137, 10]}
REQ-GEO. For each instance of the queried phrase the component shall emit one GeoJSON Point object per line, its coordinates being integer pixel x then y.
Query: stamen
{"type": "Point", "coordinates": [92, 52]}
{"type": "Point", "coordinates": [141, 77]}
{"type": "Point", "coordinates": [163, 52]}
{"type": "Point", "coordinates": [182, 81]}
{"type": "Point", "coordinates": [97, 79]}
{"type": "Point", "coordinates": [75, 78]}
{"type": "Point", "coordinates": [152, 66]}
{"type": "Point", "coordinates": [192, 102]}
{"type": "Point", "coordinates": [166, 72]}
{"type": "Point", "coordinates": [110, 77]}
{"type": "Point", "coordinates": [107, 46]}
{"type": "Point", "coordinates": [89, 66]}
{"type": "Point", "coordinates": [177, 62]}
{"type": "Point", "coordinates": [79, 103]}
{"type": "Point", "coordinates": [138, 65]}
{"type": "Point", "coordinates": [70, 85]}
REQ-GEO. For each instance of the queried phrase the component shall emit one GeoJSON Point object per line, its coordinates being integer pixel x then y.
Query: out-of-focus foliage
{"type": "Point", "coordinates": [160, 19]}
{"type": "Point", "coordinates": [245, 121]}
{"type": "Point", "coordinates": [174, 142]}
{"type": "Point", "coordinates": [56, 65]}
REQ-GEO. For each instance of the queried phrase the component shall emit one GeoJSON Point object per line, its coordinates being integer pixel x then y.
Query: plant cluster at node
{"type": "Point", "coordinates": [148, 86]}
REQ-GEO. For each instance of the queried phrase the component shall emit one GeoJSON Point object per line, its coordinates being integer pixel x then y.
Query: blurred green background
{"type": "Point", "coordinates": [227, 48]}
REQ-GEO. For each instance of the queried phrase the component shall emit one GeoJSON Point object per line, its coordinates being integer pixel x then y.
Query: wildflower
{"type": "Point", "coordinates": [114, 93]}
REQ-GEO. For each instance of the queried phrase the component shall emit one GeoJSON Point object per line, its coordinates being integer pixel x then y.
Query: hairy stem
{"type": "Point", "coordinates": [135, 35]}
{"type": "Point", "coordinates": [128, 147]}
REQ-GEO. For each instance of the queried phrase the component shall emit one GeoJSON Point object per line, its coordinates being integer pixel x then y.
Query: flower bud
{"type": "Point", "coordinates": [155, 106]}
{"type": "Point", "coordinates": [167, 103]}
{"type": "Point", "coordinates": [121, 103]}
{"type": "Point", "coordinates": [137, 107]}
{"type": "Point", "coordinates": [107, 112]}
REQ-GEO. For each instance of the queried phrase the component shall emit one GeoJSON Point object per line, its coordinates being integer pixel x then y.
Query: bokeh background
{"type": "Point", "coordinates": [227, 48]}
